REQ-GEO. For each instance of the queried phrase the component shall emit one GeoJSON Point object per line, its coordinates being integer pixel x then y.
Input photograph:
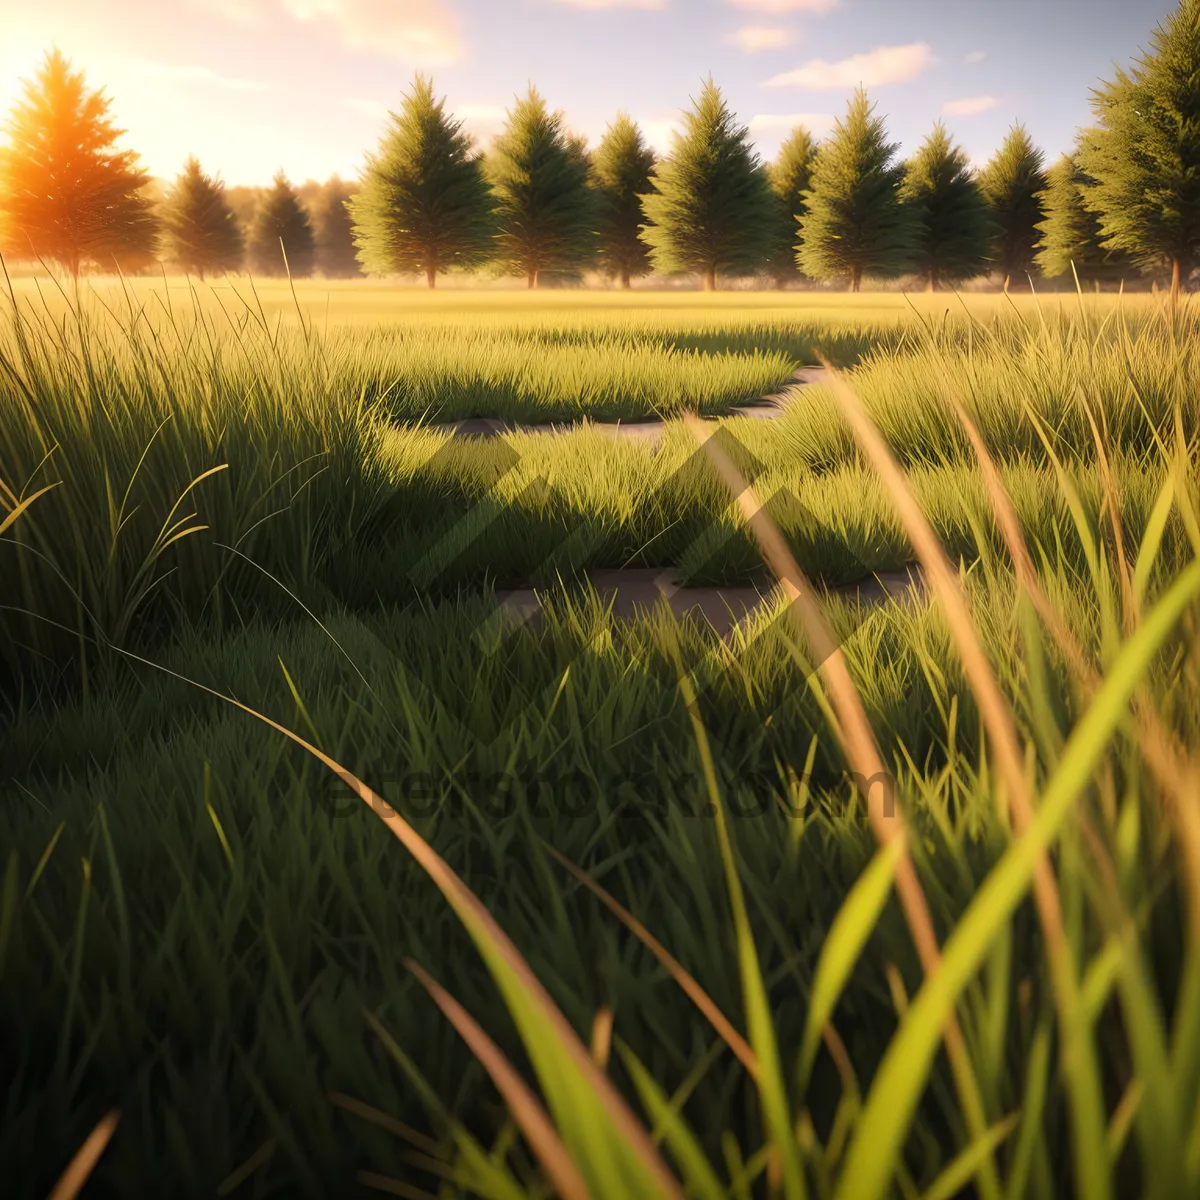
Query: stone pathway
{"type": "Point", "coordinates": [635, 589]}
{"type": "Point", "coordinates": [765, 408]}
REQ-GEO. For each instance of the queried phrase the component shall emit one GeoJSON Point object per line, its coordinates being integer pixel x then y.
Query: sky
{"type": "Point", "coordinates": [304, 86]}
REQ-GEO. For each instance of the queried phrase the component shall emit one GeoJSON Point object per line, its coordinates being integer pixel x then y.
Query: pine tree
{"type": "Point", "coordinates": [1145, 154]}
{"type": "Point", "coordinates": [1012, 185]}
{"type": "Point", "coordinates": [791, 177]}
{"type": "Point", "coordinates": [202, 234]}
{"type": "Point", "coordinates": [621, 169]}
{"type": "Point", "coordinates": [1070, 234]}
{"type": "Point", "coordinates": [856, 223]}
{"type": "Point", "coordinates": [281, 227]}
{"type": "Point", "coordinates": [711, 207]}
{"type": "Point", "coordinates": [424, 205]}
{"type": "Point", "coordinates": [333, 229]}
{"type": "Point", "coordinates": [545, 208]}
{"type": "Point", "coordinates": [67, 194]}
{"type": "Point", "coordinates": [954, 228]}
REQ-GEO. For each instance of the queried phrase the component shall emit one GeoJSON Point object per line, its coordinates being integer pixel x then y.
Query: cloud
{"type": "Point", "coordinates": [969, 106]}
{"type": "Point", "coordinates": [659, 131]}
{"type": "Point", "coordinates": [778, 7]}
{"type": "Point", "coordinates": [481, 121]}
{"type": "Point", "coordinates": [884, 64]}
{"type": "Point", "coordinates": [818, 124]}
{"type": "Point", "coordinates": [419, 32]}
{"type": "Point", "coordinates": [601, 5]}
{"type": "Point", "coordinates": [976, 56]}
{"type": "Point", "coordinates": [752, 39]}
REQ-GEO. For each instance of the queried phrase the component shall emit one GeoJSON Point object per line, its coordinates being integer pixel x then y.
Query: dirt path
{"type": "Point", "coordinates": [631, 590]}
{"type": "Point", "coordinates": [765, 408]}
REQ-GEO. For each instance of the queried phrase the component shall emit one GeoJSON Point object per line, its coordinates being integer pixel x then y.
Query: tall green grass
{"type": "Point", "coordinates": [196, 911]}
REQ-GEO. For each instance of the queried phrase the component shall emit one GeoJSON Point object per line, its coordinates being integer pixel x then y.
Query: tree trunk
{"type": "Point", "coordinates": [626, 281]}
{"type": "Point", "coordinates": [856, 279]}
{"type": "Point", "coordinates": [1176, 278]}
{"type": "Point", "coordinates": [532, 277]}
{"type": "Point", "coordinates": [931, 284]}
{"type": "Point", "coordinates": [710, 279]}
{"type": "Point", "coordinates": [431, 275]}
{"type": "Point", "coordinates": [1007, 280]}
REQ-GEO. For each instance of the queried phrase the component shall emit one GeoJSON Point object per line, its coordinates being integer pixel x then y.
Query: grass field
{"type": "Point", "coordinates": [202, 926]}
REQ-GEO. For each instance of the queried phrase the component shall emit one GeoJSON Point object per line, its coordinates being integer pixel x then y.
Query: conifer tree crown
{"type": "Point", "coordinates": [954, 228]}
{"type": "Point", "coordinates": [710, 206]}
{"type": "Point", "coordinates": [621, 170]}
{"type": "Point", "coordinates": [1144, 154]}
{"type": "Point", "coordinates": [1013, 183]}
{"type": "Point", "coordinates": [791, 176]}
{"type": "Point", "coordinates": [202, 234]}
{"type": "Point", "coordinates": [424, 205]}
{"type": "Point", "coordinates": [545, 208]}
{"type": "Point", "coordinates": [67, 193]}
{"type": "Point", "coordinates": [856, 224]}
{"type": "Point", "coordinates": [281, 240]}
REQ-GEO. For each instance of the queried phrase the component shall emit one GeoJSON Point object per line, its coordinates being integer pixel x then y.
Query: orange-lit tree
{"type": "Point", "coordinates": [68, 194]}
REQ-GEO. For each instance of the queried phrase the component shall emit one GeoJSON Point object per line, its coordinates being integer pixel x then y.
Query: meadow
{"type": "Point", "coordinates": [922, 874]}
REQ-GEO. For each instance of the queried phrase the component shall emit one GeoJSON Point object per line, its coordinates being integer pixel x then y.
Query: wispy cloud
{"type": "Point", "coordinates": [777, 7]}
{"type": "Point", "coordinates": [969, 106]}
{"type": "Point", "coordinates": [419, 32]}
{"type": "Point", "coordinates": [754, 39]}
{"type": "Point", "coordinates": [660, 129]}
{"type": "Point", "coordinates": [481, 121]}
{"type": "Point", "coordinates": [884, 64]}
{"type": "Point", "coordinates": [601, 5]}
{"type": "Point", "coordinates": [976, 56]}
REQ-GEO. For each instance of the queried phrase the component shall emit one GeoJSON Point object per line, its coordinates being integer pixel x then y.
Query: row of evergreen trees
{"type": "Point", "coordinates": [68, 195]}
{"type": "Point", "coordinates": [540, 205]}
{"type": "Point", "coordinates": [206, 229]}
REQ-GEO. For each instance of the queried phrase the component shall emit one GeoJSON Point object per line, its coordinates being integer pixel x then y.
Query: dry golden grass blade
{"type": "Point", "coordinates": [524, 1106]}
{"type": "Point", "coordinates": [1176, 773]}
{"type": "Point", "coordinates": [602, 1031]}
{"type": "Point", "coordinates": [687, 983]}
{"type": "Point", "coordinates": [858, 742]}
{"type": "Point", "coordinates": [1079, 1049]}
{"type": "Point", "coordinates": [841, 1060]}
{"type": "Point", "coordinates": [943, 579]}
{"type": "Point", "coordinates": [71, 1181]}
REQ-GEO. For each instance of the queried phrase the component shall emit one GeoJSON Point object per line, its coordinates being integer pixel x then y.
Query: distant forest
{"type": "Point", "coordinates": [541, 204]}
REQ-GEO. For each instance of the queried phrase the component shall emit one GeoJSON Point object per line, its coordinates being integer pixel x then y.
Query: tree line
{"type": "Point", "coordinates": [541, 205]}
